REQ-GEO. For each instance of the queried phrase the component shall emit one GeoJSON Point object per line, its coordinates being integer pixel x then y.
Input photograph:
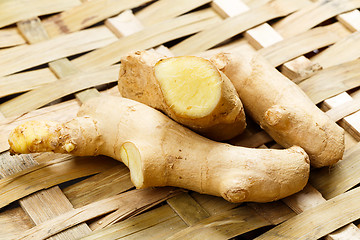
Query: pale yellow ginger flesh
{"type": "Point", "coordinates": [161, 152]}
{"type": "Point", "coordinates": [130, 156]}
{"type": "Point", "coordinates": [191, 85]}
{"type": "Point", "coordinates": [189, 89]}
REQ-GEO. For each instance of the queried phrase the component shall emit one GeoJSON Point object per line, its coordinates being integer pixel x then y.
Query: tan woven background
{"type": "Point", "coordinates": [56, 54]}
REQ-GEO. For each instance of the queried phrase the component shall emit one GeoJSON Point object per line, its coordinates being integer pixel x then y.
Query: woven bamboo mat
{"type": "Point", "coordinates": [56, 54]}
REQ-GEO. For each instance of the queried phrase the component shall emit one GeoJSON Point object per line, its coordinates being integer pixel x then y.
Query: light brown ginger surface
{"type": "Point", "coordinates": [281, 108]}
{"type": "Point", "coordinates": [189, 89]}
{"type": "Point", "coordinates": [160, 152]}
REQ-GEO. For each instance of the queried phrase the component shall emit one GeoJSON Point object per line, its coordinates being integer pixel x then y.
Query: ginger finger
{"type": "Point", "coordinates": [281, 108]}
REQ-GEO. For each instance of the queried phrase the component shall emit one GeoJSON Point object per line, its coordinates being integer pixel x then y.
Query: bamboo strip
{"type": "Point", "coordinates": [87, 14]}
{"type": "Point", "coordinates": [103, 185]}
{"type": "Point", "coordinates": [160, 11]}
{"type": "Point", "coordinates": [341, 177]}
{"type": "Point", "coordinates": [14, 164]}
{"type": "Point", "coordinates": [188, 209]}
{"type": "Point", "coordinates": [275, 212]}
{"type": "Point", "coordinates": [343, 77]}
{"type": "Point", "coordinates": [52, 91]}
{"type": "Point", "coordinates": [17, 10]}
{"type": "Point", "coordinates": [25, 81]}
{"type": "Point", "coordinates": [150, 37]}
{"type": "Point", "coordinates": [299, 69]}
{"type": "Point", "coordinates": [62, 68]}
{"type": "Point", "coordinates": [256, 38]}
{"type": "Point", "coordinates": [229, 8]}
{"type": "Point", "coordinates": [351, 20]}
{"type": "Point", "coordinates": [32, 31]}
{"type": "Point", "coordinates": [24, 57]}
{"type": "Point", "coordinates": [124, 24]}
{"type": "Point", "coordinates": [345, 50]}
{"type": "Point", "coordinates": [224, 225]}
{"type": "Point", "coordinates": [128, 203]}
{"type": "Point", "coordinates": [158, 231]}
{"type": "Point", "coordinates": [10, 37]}
{"type": "Point", "coordinates": [233, 26]}
{"type": "Point", "coordinates": [13, 221]}
{"type": "Point", "coordinates": [213, 205]}
{"type": "Point", "coordinates": [313, 15]}
{"type": "Point", "coordinates": [49, 174]}
{"type": "Point", "coordinates": [320, 220]}
{"type": "Point", "coordinates": [290, 48]}
{"type": "Point", "coordinates": [343, 110]}
{"type": "Point", "coordinates": [133, 227]}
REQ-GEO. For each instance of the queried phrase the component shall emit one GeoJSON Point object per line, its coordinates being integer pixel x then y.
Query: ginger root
{"type": "Point", "coordinates": [189, 89]}
{"type": "Point", "coordinates": [160, 152]}
{"type": "Point", "coordinates": [281, 108]}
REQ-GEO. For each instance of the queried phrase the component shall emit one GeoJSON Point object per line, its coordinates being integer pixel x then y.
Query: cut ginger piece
{"type": "Point", "coordinates": [189, 89]}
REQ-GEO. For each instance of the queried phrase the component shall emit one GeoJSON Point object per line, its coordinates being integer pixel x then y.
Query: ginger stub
{"type": "Point", "coordinates": [161, 152]}
{"type": "Point", "coordinates": [189, 89]}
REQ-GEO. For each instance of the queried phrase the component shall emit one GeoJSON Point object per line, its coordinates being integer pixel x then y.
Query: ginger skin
{"type": "Point", "coordinates": [189, 89]}
{"type": "Point", "coordinates": [281, 108]}
{"type": "Point", "coordinates": [160, 152]}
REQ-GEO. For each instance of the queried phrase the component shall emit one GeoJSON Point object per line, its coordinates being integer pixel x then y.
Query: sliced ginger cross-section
{"type": "Point", "coordinates": [189, 89]}
{"type": "Point", "coordinates": [190, 85]}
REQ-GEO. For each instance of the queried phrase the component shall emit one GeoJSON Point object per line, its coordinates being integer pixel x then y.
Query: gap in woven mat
{"type": "Point", "coordinates": [171, 43]}
{"type": "Point", "coordinates": [60, 100]}
{"type": "Point", "coordinates": [9, 97]}
{"type": "Point", "coordinates": [73, 181]}
{"type": "Point", "coordinates": [253, 234]}
{"type": "Point", "coordinates": [327, 22]}
{"type": "Point", "coordinates": [202, 7]}
{"type": "Point", "coordinates": [357, 223]}
{"type": "Point", "coordinates": [315, 52]}
{"type": "Point", "coordinates": [352, 91]}
{"type": "Point", "coordinates": [106, 86]}
{"type": "Point", "coordinates": [136, 9]}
